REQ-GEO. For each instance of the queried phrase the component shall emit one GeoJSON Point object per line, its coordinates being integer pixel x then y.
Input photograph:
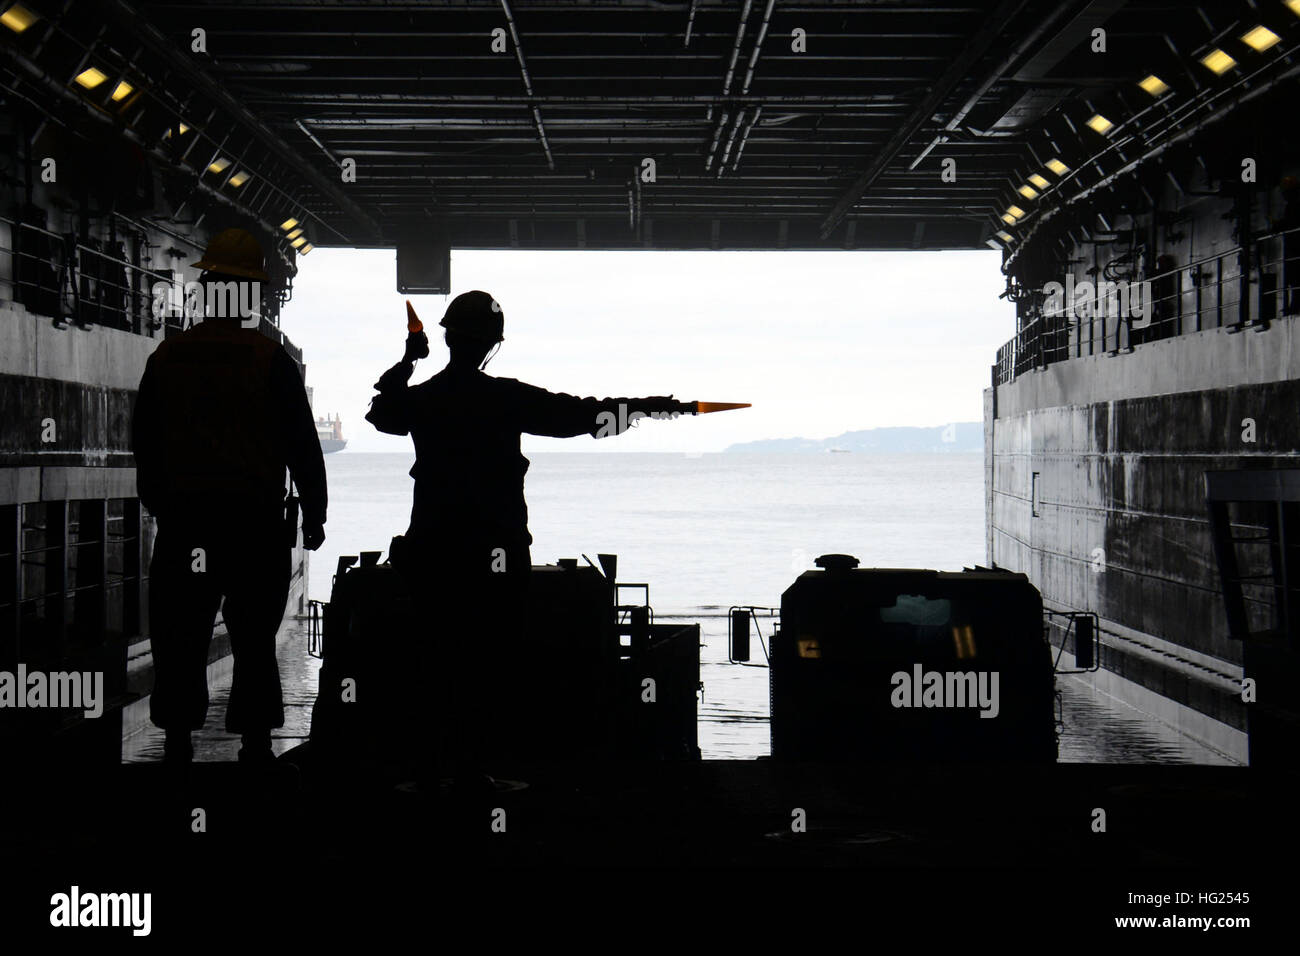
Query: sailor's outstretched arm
{"type": "Point", "coordinates": [560, 415]}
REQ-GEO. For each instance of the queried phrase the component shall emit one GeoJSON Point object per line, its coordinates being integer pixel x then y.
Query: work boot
{"type": "Point", "coordinates": [177, 747]}
{"type": "Point", "coordinates": [256, 749]}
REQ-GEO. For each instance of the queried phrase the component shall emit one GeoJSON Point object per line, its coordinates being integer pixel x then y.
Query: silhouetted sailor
{"type": "Point", "coordinates": [468, 541]}
{"type": "Point", "coordinates": [466, 426]}
{"type": "Point", "coordinates": [221, 413]}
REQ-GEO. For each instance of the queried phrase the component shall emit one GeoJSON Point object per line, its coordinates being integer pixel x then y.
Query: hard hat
{"type": "Point", "coordinates": [477, 315]}
{"type": "Point", "coordinates": [234, 252]}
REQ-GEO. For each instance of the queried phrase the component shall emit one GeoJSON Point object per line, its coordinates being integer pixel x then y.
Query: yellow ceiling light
{"type": "Point", "coordinates": [1004, 236]}
{"type": "Point", "coordinates": [17, 18]}
{"type": "Point", "coordinates": [218, 165]}
{"type": "Point", "coordinates": [1009, 219]}
{"type": "Point", "coordinates": [1100, 124]}
{"type": "Point", "coordinates": [1029, 192]}
{"type": "Point", "coordinates": [90, 78]}
{"type": "Point", "coordinates": [294, 235]}
{"type": "Point", "coordinates": [288, 224]}
{"type": "Point", "coordinates": [1260, 38]}
{"type": "Point", "coordinates": [1218, 61]}
{"type": "Point", "coordinates": [1154, 85]}
{"type": "Point", "coordinates": [239, 178]}
{"type": "Point", "coordinates": [1058, 167]}
{"type": "Point", "coordinates": [123, 90]}
{"type": "Point", "coordinates": [1039, 181]}
{"type": "Point", "coordinates": [306, 248]}
{"type": "Point", "coordinates": [1294, 5]}
{"type": "Point", "coordinates": [1016, 211]}
{"type": "Point", "coordinates": [298, 242]}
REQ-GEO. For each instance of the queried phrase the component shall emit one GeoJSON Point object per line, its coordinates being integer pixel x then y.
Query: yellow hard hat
{"type": "Point", "coordinates": [234, 252]}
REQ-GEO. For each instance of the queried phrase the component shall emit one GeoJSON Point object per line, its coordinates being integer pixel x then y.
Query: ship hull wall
{"type": "Point", "coordinates": [1095, 490]}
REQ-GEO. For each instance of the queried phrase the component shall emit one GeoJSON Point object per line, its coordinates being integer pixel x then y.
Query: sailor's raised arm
{"type": "Point", "coordinates": [390, 409]}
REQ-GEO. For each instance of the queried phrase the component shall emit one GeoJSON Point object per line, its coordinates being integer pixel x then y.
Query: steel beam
{"type": "Point", "coordinates": [943, 87]}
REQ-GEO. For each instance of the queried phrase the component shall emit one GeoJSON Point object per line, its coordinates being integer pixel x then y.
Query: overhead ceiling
{"type": "Point", "coordinates": [630, 124]}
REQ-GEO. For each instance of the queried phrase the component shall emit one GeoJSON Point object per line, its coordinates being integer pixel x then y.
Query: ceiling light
{"type": "Point", "coordinates": [218, 164]}
{"type": "Point", "coordinates": [1260, 38]}
{"type": "Point", "coordinates": [1295, 6]}
{"type": "Point", "coordinates": [1154, 85]}
{"type": "Point", "coordinates": [1029, 192]}
{"type": "Point", "coordinates": [122, 91]}
{"type": "Point", "coordinates": [1218, 61]}
{"type": "Point", "coordinates": [288, 224]}
{"type": "Point", "coordinates": [17, 18]}
{"type": "Point", "coordinates": [1058, 167]}
{"type": "Point", "coordinates": [1009, 219]}
{"type": "Point", "coordinates": [90, 78]}
{"type": "Point", "coordinates": [306, 248]}
{"type": "Point", "coordinates": [295, 234]}
{"type": "Point", "coordinates": [1100, 124]}
{"type": "Point", "coordinates": [239, 178]}
{"type": "Point", "coordinates": [298, 242]}
{"type": "Point", "coordinates": [1004, 236]}
{"type": "Point", "coordinates": [1039, 181]}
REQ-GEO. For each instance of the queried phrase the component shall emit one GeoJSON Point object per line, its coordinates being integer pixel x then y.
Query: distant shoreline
{"type": "Point", "coordinates": [350, 452]}
{"type": "Point", "coordinates": [954, 437]}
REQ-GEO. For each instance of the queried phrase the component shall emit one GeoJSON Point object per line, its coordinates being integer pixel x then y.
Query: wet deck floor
{"type": "Point", "coordinates": [313, 847]}
{"type": "Point", "coordinates": [733, 715]}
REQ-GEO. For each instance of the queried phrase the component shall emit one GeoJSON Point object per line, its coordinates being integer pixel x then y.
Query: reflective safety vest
{"type": "Point", "coordinates": [218, 436]}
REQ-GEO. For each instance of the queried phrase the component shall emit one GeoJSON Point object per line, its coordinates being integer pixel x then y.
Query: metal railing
{"type": "Point", "coordinates": [96, 282]}
{"type": "Point", "coordinates": [1212, 292]}
{"type": "Point", "coordinates": [70, 569]}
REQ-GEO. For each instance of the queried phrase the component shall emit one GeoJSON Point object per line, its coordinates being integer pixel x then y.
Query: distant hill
{"type": "Point", "coordinates": [962, 437]}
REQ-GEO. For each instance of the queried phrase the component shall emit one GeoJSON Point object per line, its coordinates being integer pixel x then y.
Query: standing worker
{"type": "Point", "coordinates": [468, 539]}
{"type": "Point", "coordinates": [466, 425]}
{"type": "Point", "coordinates": [221, 413]}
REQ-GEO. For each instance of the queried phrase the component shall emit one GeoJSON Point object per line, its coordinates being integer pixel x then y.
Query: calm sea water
{"type": "Point", "coordinates": [707, 532]}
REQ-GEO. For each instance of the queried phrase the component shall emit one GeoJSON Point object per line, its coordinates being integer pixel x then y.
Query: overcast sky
{"type": "Point", "coordinates": [820, 342]}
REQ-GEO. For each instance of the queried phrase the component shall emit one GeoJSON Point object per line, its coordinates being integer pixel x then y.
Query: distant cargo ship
{"type": "Point", "coordinates": [330, 433]}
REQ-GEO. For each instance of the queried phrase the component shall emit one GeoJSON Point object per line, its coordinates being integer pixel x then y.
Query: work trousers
{"type": "Point", "coordinates": [200, 564]}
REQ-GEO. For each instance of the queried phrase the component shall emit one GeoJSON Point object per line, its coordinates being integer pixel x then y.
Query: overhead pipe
{"type": "Point", "coordinates": [528, 84]}
{"type": "Point", "coordinates": [942, 88]}
{"type": "Point", "coordinates": [726, 152]}
{"type": "Point", "coordinates": [321, 146]}
{"type": "Point", "coordinates": [753, 121]}
{"type": "Point", "coordinates": [758, 46]}
{"type": "Point", "coordinates": [749, 77]}
{"type": "Point", "coordinates": [731, 71]}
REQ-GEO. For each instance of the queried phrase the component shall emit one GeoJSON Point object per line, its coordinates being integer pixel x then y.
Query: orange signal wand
{"type": "Point", "coordinates": [704, 408]}
{"type": "Point", "coordinates": [413, 323]}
